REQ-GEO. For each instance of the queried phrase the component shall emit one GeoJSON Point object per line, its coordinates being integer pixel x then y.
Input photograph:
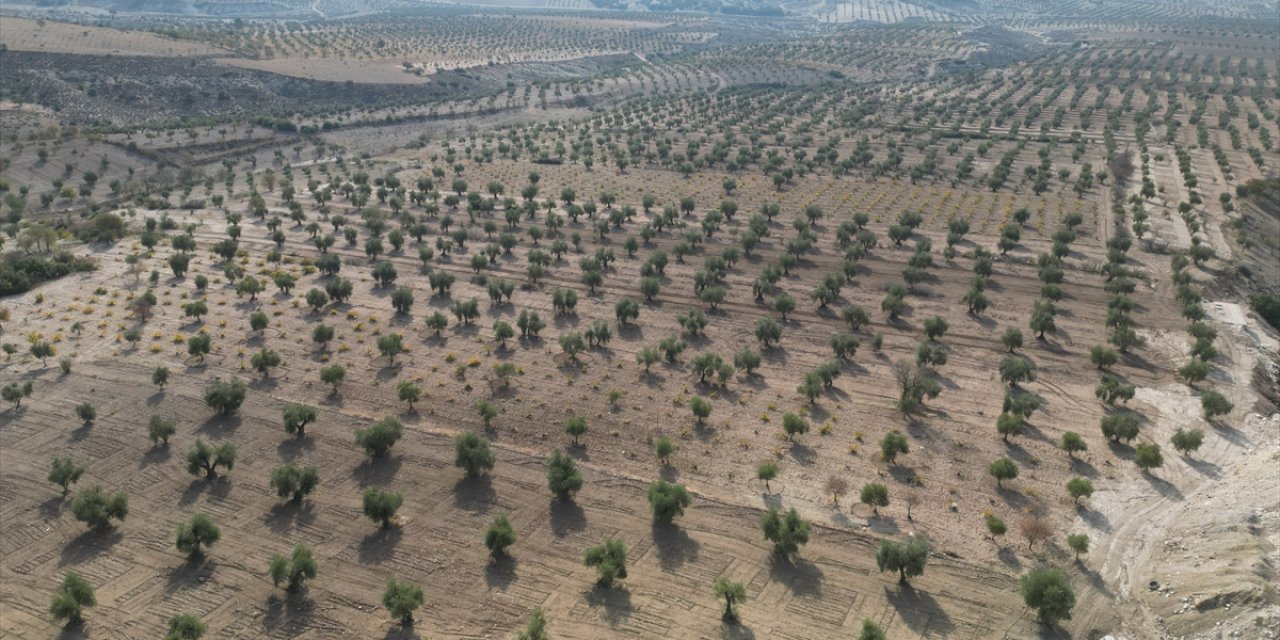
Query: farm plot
{"type": "Point", "coordinates": [826, 592]}
{"type": "Point", "coordinates": [20, 34]}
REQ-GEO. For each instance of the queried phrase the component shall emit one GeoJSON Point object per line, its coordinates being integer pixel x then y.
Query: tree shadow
{"type": "Point", "coordinates": [89, 545]}
{"type": "Point", "coordinates": [1164, 487]}
{"type": "Point", "coordinates": [772, 500]}
{"type": "Point", "coordinates": [52, 508]}
{"type": "Point", "coordinates": [1095, 580]}
{"type": "Point", "coordinates": [218, 488]}
{"type": "Point", "coordinates": [1082, 467]}
{"type": "Point", "coordinates": [802, 454]}
{"type": "Point", "coordinates": [194, 571]}
{"type": "Point", "coordinates": [1204, 467]}
{"type": "Point", "coordinates": [81, 432]}
{"type": "Point", "coordinates": [774, 355]}
{"type": "Point", "coordinates": [630, 332]}
{"type": "Point", "coordinates": [986, 323]}
{"type": "Point", "coordinates": [802, 577]}
{"type": "Point", "coordinates": [735, 630]}
{"type": "Point", "coordinates": [1018, 453]}
{"type": "Point", "coordinates": [566, 517]}
{"type": "Point", "coordinates": [155, 455]}
{"type": "Point", "coordinates": [1009, 558]}
{"type": "Point", "coordinates": [882, 525]}
{"type": "Point", "coordinates": [290, 448]}
{"type": "Point", "coordinates": [1094, 518]}
{"type": "Point", "coordinates": [219, 425]}
{"type": "Point", "coordinates": [402, 632]}
{"type": "Point", "coordinates": [376, 471]}
{"type": "Point", "coordinates": [74, 631]}
{"type": "Point", "coordinates": [12, 414]}
{"type": "Point", "coordinates": [1052, 632]}
{"type": "Point", "coordinates": [1120, 450]}
{"type": "Point", "coordinates": [1231, 434]}
{"type": "Point", "coordinates": [919, 611]}
{"type": "Point", "coordinates": [616, 602]}
{"type": "Point", "coordinates": [290, 614]}
{"type": "Point", "coordinates": [1033, 432]}
{"type": "Point", "coordinates": [1012, 498]}
{"type": "Point", "coordinates": [379, 546]}
{"type": "Point", "coordinates": [284, 516]}
{"type": "Point", "coordinates": [673, 546]}
{"type": "Point", "coordinates": [474, 493]}
{"type": "Point", "coordinates": [501, 571]}
{"type": "Point", "coordinates": [902, 474]}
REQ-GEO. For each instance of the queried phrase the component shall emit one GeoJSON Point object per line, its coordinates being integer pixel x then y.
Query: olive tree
{"type": "Point", "coordinates": [1072, 443]}
{"type": "Point", "coordinates": [766, 471]}
{"type": "Point", "coordinates": [1079, 488]}
{"type": "Point", "coordinates": [667, 501]}
{"type": "Point", "coordinates": [1048, 591]}
{"type": "Point", "coordinates": [575, 426]}
{"type": "Point", "coordinates": [380, 505]}
{"type": "Point", "coordinates": [225, 396]}
{"type": "Point", "coordinates": [663, 447]}
{"type": "Point", "coordinates": [185, 626]}
{"type": "Point", "coordinates": [472, 454]}
{"type": "Point", "coordinates": [294, 482]}
{"type": "Point", "coordinates": [378, 438]}
{"type": "Point", "coordinates": [701, 409]}
{"type": "Point", "coordinates": [732, 592]}
{"type": "Point", "coordinates": [64, 472]}
{"type": "Point", "coordinates": [160, 377]}
{"type": "Point", "coordinates": [563, 477]}
{"type": "Point", "coordinates": [160, 429]}
{"type": "Point", "coordinates": [1147, 456]}
{"type": "Point", "coordinates": [333, 375]}
{"type": "Point", "coordinates": [537, 627]}
{"type": "Point", "coordinates": [296, 417]}
{"type": "Point", "coordinates": [1003, 469]}
{"type": "Point", "coordinates": [787, 533]}
{"type": "Point", "coordinates": [401, 599]}
{"type": "Point", "coordinates": [609, 559]}
{"type": "Point", "coordinates": [1214, 404]}
{"type": "Point", "coordinates": [892, 445]}
{"type": "Point", "coordinates": [408, 391]}
{"type": "Point", "coordinates": [871, 631]}
{"type": "Point", "coordinates": [908, 558]}
{"type": "Point", "coordinates": [1079, 543]}
{"type": "Point", "coordinates": [197, 532]}
{"type": "Point", "coordinates": [391, 345]}
{"type": "Point", "coordinates": [1186, 441]}
{"type": "Point", "coordinates": [499, 535]}
{"type": "Point", "coordinates": [295, 570]}
{"type": "Point", "coordinates": [204, 458]}
{"type": "Point", "coordinates": [874, 495]}
{"type": "Point", "coordinates": [71, 598]}
{"type": "Point", "coordinates": [793, 425]}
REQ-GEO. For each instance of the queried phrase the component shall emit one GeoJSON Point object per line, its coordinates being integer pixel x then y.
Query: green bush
{"type": "Point", "coordinates": [20, 272]}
